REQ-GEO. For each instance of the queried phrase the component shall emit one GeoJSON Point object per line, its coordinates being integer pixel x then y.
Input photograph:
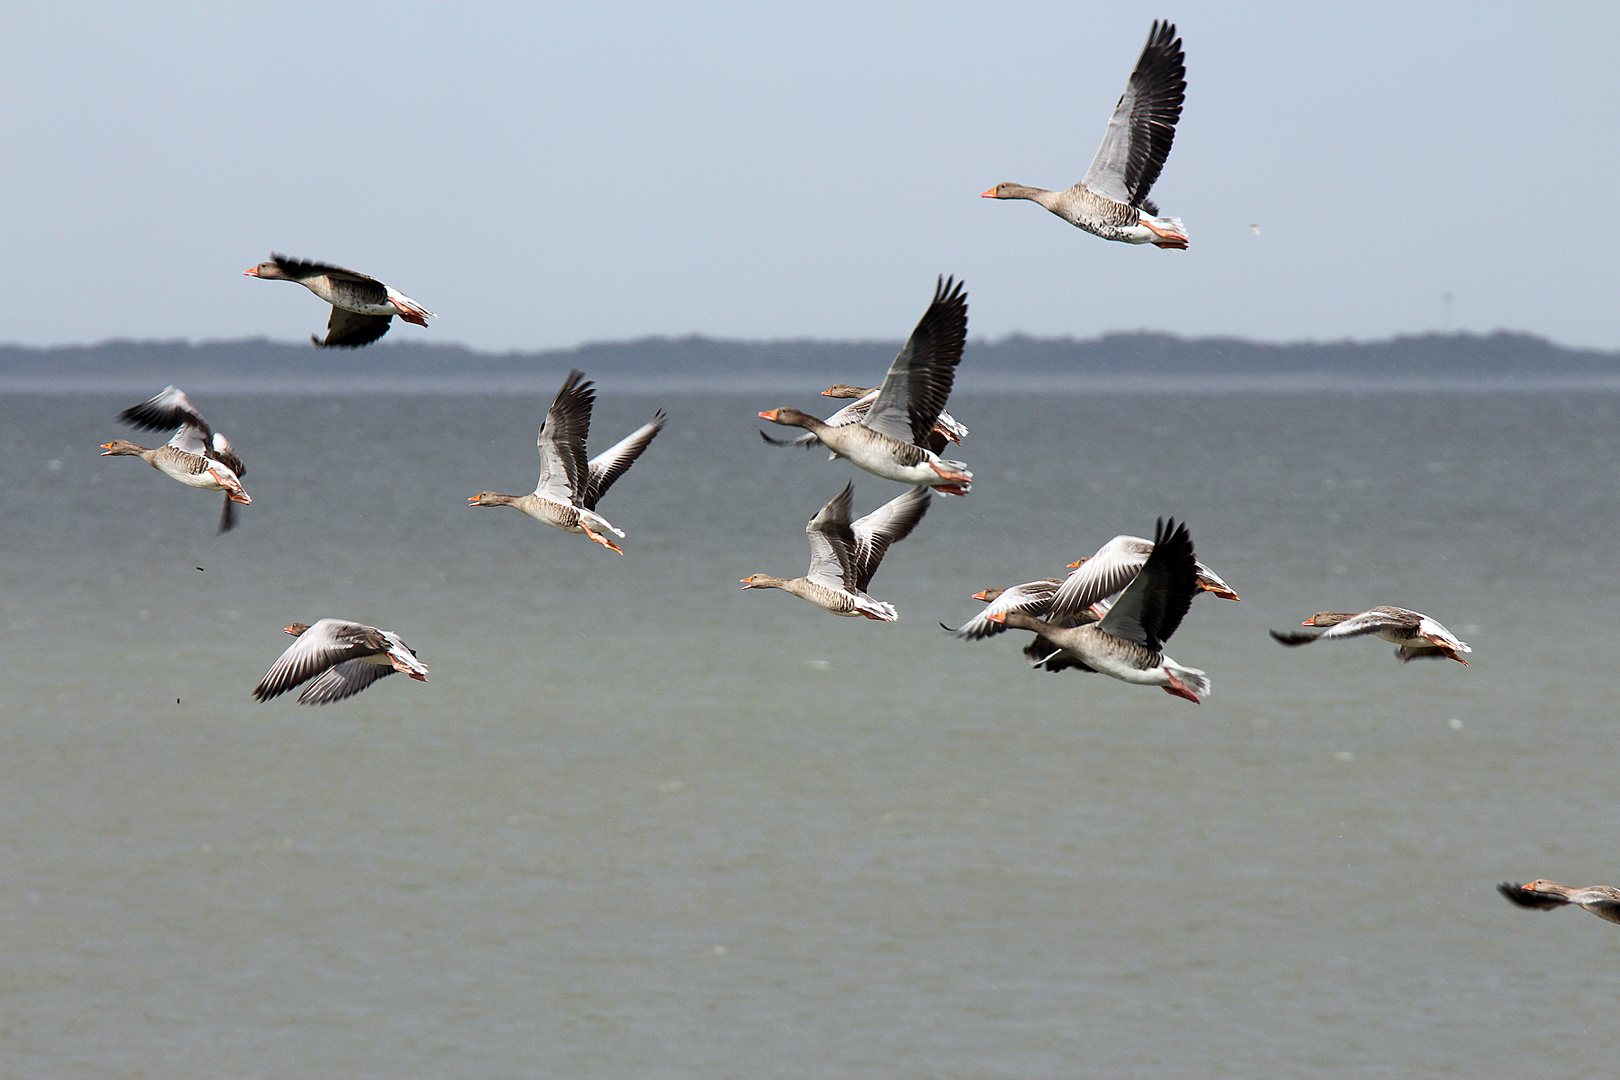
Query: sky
{"type": "Point", "coordinates": [546, 175]}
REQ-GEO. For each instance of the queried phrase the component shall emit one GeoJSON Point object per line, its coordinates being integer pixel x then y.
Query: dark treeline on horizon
{"type": "Point", "coordinates": [1502, 353]}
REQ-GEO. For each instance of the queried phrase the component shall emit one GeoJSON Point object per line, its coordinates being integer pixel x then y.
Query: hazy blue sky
{"type": "Point", "coordinates": [546, 176]}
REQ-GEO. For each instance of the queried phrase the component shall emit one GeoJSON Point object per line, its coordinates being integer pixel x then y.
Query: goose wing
{"type": "Point", "coordinates": [611, 463]}
{"type": "Point", "coordinates": [1143, 126]}
{"type": "Point", "coordinates": [1375, 621]}
{"type": "Point", "coordinates": [564, 472]}
{"type": "Point", "coordinates": [832, 543]}
{"type": "Point", "coordinates": [326, 643]}
{"type": "Point", "coordinates": [166, 411]}
{"type": "Point", "coordinates": [919, 381]}
{"type": "Point", "coordinates": [365, 286]}
{"type": "Point", "coordinates": [888, 524]}
{"type": "Point", "coordinates": [1101, 575]}
{"type": "Point", "coordinates": [1031, 598]}
{"type": "Point", "coordinates": [350, 329]}
{"type": "Point", "coordinates": [1152, 605]}
{"type": "Point", "coordinates": [223, 452]}
{"type": "Point", "coordinates": [343, 681]}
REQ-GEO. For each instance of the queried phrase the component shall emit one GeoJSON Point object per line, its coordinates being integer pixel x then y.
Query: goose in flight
{"type": "Point", "coordinates": [570, 486]}
{"type": "Point", "coordinates": [1112, 200]}
{"type": "Point", "coordinates": [362, 306]}
{"type": "Point", "coordinates": [197, 456]}
{"type": "Point", "coordinates": [1416, 634]}
{"type": "Point", "coordinates": [891, 439]}
{"type": "Point", "coordinates": [1601, 900]}
{"type": "Point", "coordinates": [347, 657]}
{"type": "Point", "coordinates": [843, 557]}
{"type": "Point", "coordinates": [1128, 641]}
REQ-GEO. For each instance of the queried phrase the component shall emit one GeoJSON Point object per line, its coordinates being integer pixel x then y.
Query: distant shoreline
{"type": "Point", "coordinates": [1114, 363]}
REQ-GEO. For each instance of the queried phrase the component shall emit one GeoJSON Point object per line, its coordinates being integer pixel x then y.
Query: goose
{"type": "Point", "coordinates": [889, 441]}
{"type": "Point", "coordinates": [347, 657]}
{"type": "Point", "coordinates": [1417, 635]}
{"type": "Point", "coordinates": [1112, 201]}
{"type": "Point", "coordinates": [362, 306]}
{"type": "Point", "coordinates": [197, 456]}
{"type": "Point", "coordinates": [1601, 900]}
{"type": "Point", "coordinates": [570, 487]}
{"type": "Point", "coordinates": [843, 557]}
{"type": "Point", "coordinates": [1128, 641]}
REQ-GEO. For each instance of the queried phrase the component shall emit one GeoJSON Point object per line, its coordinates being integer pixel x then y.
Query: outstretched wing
{"type": "Point", "coordinates": [1143, 126]}
{"type": "Point", "coordinates": [166, 411]}
{"type": "Point", "coordinates": [1030, 598]}
{"type": "Point", "coordinates": [888, 524]}
{"type": "Point", "coordinates": [563, 470]}
{"type": "Point", "coordinates": [1101, 575]}
{"type": "Point", "coordinates": [342, 681]}
{"type": "Point", "coordinates": [350, 329]}
{"type": "Point", "coordinates": [919, 381]}
{"type": "Point", "coordinates": [832, 543]}
{"type": "Point", "coordinates": [369, 288]}
{"type": "Point", "coordinates": [1152, 605]}
{"type": "Point", "coordinates": [611, 463]}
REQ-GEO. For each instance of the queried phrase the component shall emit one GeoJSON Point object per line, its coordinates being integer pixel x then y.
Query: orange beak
{"type": "Point", "coordinates": [980, 595]}
{"type": "Point", "coordinates": [771, 416]}
{"type": "Point", "coordinates": [286, 629]}
{"type": "Point", "coordinates": [472, 500]}
{"type": "Point", "coordinates": [1309, 622]}
{"type": "Point", "coordinates": [991, 194]}
{"type": "Point", "coordinates": [1076, 563]}
{"type": "Point", "coordinates": [996, 617]}
{"type": "Point", "coordinates": [252, 271]}
{"type": "Point", "coordinates": [827, 392]}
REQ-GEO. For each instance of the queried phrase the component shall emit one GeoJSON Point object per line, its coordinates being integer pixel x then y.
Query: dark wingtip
{"type": "Point", "coordinates": [1292, 637]}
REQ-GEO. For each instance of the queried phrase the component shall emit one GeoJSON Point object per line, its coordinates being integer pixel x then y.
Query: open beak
{"type": "Point", "coordinates": [252, 271]}
{"type": "Point", "coordinates": [771, 416]}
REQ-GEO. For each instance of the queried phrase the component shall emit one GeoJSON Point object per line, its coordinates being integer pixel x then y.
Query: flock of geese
{"type": "Point", "coordinates": [1111, 614]}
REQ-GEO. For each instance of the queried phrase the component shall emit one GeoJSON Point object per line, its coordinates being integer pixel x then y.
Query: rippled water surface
{"type": "Point", "coordinates": [642, 823]}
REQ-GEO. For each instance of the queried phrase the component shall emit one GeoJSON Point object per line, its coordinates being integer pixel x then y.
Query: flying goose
{"type": "Point", "coordinates": [1601, 900]}
{"type": "Point", "coordinates": [1128, 641]}
{"type": "Point", "coordinates": [1417, 635]}
{"type": "Point", "coordinates": [1082, 597]}
{"type": "Point", "coordinates": [843, 557]}
{"type": "Point", "coordinates": [362, 306]}
{"type": "Point", "coordinates": [1112, 201]}
{"type": "Point", "coordinates": [197, 456]}
{"type": "Point", "coordinates": [890, 440]}
{"type": "Point", "coordinates": [347, 657]}
{"type": "Point", "coordinates": [570, 487]}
